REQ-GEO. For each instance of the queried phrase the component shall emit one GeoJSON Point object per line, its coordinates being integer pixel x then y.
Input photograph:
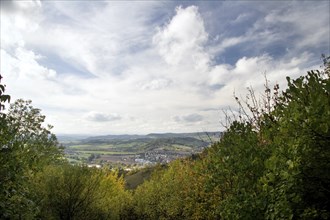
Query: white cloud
{"type": "Point", "coordinates": [19, 18]}
{"type": "Point", "coordinates": [312, 29]}
{"type": "Point", "coordinates": [181, 41]}
{"type": "Point", "coordinates": [93, 38]}
{"type": "Point", "coordinates": [27, 61]}
{"type": "Point", "coordinates": [157, 84]}
{"type": "Point", "coordinates": [294, 25]}
{"type": "Point", "coordinates": [134, 65]}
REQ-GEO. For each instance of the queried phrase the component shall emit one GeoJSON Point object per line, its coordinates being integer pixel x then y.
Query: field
{"type": "Point", "coordinates": [135, 150]}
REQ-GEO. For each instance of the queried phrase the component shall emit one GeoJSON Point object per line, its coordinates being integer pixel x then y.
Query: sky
{"type": "Point", "coordinates": [138, 67]}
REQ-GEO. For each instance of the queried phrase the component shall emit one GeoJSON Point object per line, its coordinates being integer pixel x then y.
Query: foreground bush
{"type": "Point", "coordinates": [272, 162]}
{"type": "Point", "coordinates": [79, 192]}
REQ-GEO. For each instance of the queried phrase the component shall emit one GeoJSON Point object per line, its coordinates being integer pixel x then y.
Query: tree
{"type": "Point", "coordinates": [297, 180]}
{"type": "Point", "coordinates": [78, 192]}
{"type": "Point", "coordinates": [3, 97]}
{"type": "Point", "coordinates": [25, 148]}
{"type": "Point", "coordinates": [271, 163]}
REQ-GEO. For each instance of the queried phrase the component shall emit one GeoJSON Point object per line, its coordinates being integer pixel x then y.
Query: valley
{"type": "Point", "coordinates": [134, 150]}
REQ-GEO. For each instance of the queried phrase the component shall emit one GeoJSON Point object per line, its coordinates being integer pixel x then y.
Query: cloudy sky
{"type": "Point", "coordinates": [136, 67]}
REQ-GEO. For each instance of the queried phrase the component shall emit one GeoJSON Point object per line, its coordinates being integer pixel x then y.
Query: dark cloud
{"type": "Point", "coordinates": [14, 6]}
{"type": "Point", "coordinates": [102, 117]}
{"type": "Point", "coordinates": [210, 109]}
{"type": "Point", "coordinates": [8, 6]}
{"type": "Point", "coordinates": [191, 118]}
{"type": "Point", "coordinates": [208, 90]}
{"type": "Point", "coordinates": [216, 87]}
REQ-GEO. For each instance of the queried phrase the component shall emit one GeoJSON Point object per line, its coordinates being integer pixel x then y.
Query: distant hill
{"type": "Point", "coordinates": [114, 137]}
{"type": "Point", "coordinates": [136, 149]}
{"type": "Point", "coordinates": [70, 137]}
{"type": "Point", "coordinates": [197, 135]}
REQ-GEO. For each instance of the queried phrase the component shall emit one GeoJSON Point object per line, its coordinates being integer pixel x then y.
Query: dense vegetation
{"type": "Point", "coordinates": [36, 182]}
{"type": "Point", "coordinates": [272, 162]}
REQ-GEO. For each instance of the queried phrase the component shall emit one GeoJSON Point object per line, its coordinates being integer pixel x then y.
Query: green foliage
{"type": "Point", "coordinates": [167, 194]}
{"type": "Point", "coordinates": [3, 97]}
{"type": "Point", "coordinates": [271, 163]}
{"type": "Point", "coordinates": [38, 145]}
{"type": "Point", "coordinates": [136, 177]}
{"type": "Point", "coordinates": [234, 166]}
{"type": "Point", "coordinates": [79, 192]}
{"type": "Point", "coordinates": [297, 178]}
{"type": "Point", "coordinates": [25, 147]}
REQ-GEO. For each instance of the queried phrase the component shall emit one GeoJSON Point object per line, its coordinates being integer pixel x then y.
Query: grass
{"type": "Point", "coordinates": [104, 152]}
{"type": "Point", "coordinates": [89, 146]}
{"type": "Point", "coordinates": [133, 145]}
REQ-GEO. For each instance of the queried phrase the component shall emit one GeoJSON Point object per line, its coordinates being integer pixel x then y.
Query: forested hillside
{"type": "Point", "coordinates": [272, 162]}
